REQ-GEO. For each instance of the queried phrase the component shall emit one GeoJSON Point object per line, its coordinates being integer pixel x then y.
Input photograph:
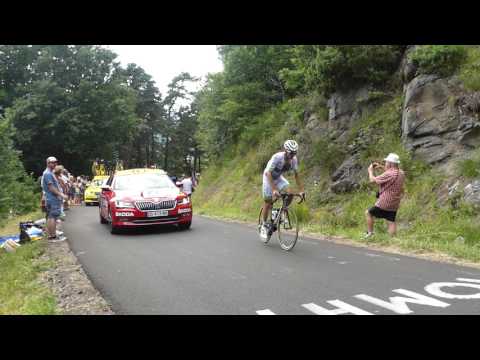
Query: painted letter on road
{"type": "Point", "coordinates": [399, 304]}
{"type": "Point", "coordinates": [436, 290]}
{"type": "Point", "coordinates": [342, 308]}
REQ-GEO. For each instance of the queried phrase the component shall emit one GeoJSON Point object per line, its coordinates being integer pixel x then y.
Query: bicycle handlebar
{"type": "Point", "coordinates": [301, 196]}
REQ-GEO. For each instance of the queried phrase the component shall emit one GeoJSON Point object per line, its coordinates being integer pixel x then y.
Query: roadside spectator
{"type": "Point", "coordinates": [63, 186]}
{"type": "Point", "coordinates": [82, 188]}
{"type": "Point", "coordinates": [66, 181]}
{"type": "Point", "coordinates": [77, 192]}
{"type": "Point", "coordinates": [391, 184]}
{"type": "Point", "coordinates": [53, 197]}
{"type": "Point", "coordinates": [187, 186]}
{"type": "Point", "coordinates": [71, 190]}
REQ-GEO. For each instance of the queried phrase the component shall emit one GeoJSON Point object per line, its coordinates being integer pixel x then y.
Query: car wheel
{"type": "Point", "coordinates": [185, 226]}
{"type": "Point", "coordinates": [87, 204]}
{"type": "Point", "coordinates": [113, 229]}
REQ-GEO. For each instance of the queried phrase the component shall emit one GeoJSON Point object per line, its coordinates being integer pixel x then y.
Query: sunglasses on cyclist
{"type": "Point", "coordinates": [292, 153]}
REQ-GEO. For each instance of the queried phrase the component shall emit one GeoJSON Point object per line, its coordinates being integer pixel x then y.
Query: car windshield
{"type": "Point", "coordinates": [97, 182]}
{"type": "Point", "coordinates": [143, 182]}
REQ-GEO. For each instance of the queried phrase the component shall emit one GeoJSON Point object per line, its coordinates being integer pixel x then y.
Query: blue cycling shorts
{"type": "Point", "coordinates": [54, 209]}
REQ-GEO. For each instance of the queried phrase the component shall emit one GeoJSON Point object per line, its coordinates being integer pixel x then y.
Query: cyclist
{"type": "Point", "coordinates": [274, 182]}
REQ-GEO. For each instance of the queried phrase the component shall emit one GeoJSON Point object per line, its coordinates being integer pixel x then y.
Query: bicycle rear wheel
{"type": "Point", "coordinates": [260, 222]}
{"type": "Point", "coordinates": [287, 229]}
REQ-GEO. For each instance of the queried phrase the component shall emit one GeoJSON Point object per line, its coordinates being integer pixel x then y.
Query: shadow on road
{"type": "Point", "coordinates": [150, 230]}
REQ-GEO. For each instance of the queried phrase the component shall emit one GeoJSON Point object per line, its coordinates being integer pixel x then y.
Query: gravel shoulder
{"type": "Point", "coordinates": [74, 292]}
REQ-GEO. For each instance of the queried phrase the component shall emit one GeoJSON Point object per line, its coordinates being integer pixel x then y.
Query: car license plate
{"type": "Point", "coordinates": [157, 213]}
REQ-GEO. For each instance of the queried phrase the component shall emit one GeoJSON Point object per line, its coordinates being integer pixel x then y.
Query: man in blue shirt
{"type": "Point", "coordinates": [53, 198]}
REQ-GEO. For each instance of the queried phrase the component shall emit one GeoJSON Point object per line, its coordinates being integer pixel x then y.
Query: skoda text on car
{"type": "Point", "coordinates": [92, 192]}
{"type": "Point", "coordinates": [140, 197]}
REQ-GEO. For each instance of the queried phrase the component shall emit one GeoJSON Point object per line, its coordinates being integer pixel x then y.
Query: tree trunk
{"type": "Point", "coordinates": [165, 164]}
{"type": "Point", "coordinates": [152, 148]}
{"type": "Point", "coordinates": [147, 153]}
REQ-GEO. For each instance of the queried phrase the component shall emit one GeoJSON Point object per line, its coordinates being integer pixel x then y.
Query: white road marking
{"type": "Point", "coordinates": [342, 308]}
{"type": "Point", "coordinates": [331, 257]}
{"type": "Point", "coordinates": [398, 304]}
{"type": "Point", "coordinates": [435, 290]}
{"type": "Point", "coordinates": [265, 312]}
{"type": "Point", "coordinates": [342, 262]}
{"type": "Point", "coordinates": [469, 280]}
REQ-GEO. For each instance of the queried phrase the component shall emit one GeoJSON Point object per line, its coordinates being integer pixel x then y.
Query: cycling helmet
{"type": "Point", "coordinates": [290, 146]}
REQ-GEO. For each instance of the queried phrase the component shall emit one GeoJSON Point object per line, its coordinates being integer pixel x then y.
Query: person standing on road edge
{"type": "Point", "coordinates": [63, 187]}
{"type": "Point", "coordinates": [53, 197]}
{"type": "Point", "coordinates": [274, 183]}
{"type": "Point", "coordinates": [187, 186]}
{"type": "Point", "coordinates": [391, 184]}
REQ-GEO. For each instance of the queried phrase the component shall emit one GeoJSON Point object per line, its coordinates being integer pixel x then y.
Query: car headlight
{"type": "Point", "coordinates": [186, 200]}
{"type": "Point", "coordinates": [124, 204]}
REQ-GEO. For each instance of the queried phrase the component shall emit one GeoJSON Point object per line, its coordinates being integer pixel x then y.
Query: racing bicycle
{"type": "Point", "coordinates": [284, 222]}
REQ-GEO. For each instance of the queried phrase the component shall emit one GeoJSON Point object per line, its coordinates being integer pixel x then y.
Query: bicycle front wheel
{"type": "Point", "coordinates": [287, 229]}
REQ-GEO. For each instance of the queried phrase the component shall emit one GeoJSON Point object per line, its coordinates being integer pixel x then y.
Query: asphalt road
{"type": "Point", "coordinates": [223, 268]}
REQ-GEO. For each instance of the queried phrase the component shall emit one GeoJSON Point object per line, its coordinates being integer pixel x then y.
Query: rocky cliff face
{"type": "Point", "coordinates": [440, 125]}
{"type": "Point", "coordinates": [440, 120]}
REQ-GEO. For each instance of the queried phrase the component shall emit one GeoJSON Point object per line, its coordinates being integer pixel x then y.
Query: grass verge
{"type": "Point", "coordinates": [21, 293]}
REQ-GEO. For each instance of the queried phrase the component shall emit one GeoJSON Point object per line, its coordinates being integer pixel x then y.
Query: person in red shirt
{"type": "Point", "coordinates": [391, 184]}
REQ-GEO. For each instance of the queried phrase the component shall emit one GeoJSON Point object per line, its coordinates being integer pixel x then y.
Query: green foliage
{"type": "Point", "coordinates": [338, 67]}
{"type": "Point", "coordinates": [327, 155]}
{"type": "Point", "coordinates": [20, 290]}
{"type": "Point", "coordinates": [18, 193]}
{"type": "Point", "coordinates": [75, 127]}
{"type": "Point", "coordinates": [77, 103]}
{"type": "Point", "coordinates": [443, 60]}
{"type": "Point", "coordinates": [470, 70]}
{"type": "Point", "coordinates": [302, 212]}
{"type": "Point", "coordinates": [470, 167]}
{"type": "Point", "coordinates": [236, 99]}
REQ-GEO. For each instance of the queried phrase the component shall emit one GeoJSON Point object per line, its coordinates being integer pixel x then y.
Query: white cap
{"type": "Point", "coordinates": [51, 158]}
{"type": "Point", "coordinates": [393, 158]}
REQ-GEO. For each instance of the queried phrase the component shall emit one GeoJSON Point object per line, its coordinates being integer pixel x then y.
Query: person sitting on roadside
{"type": "Point", "coordinates": [391, 184]}
{"type": "Point", "coordinates": [53, 197]}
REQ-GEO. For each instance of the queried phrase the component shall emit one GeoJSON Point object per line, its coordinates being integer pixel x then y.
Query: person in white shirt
{"type": "Point", "coordinates": [187, 186]}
